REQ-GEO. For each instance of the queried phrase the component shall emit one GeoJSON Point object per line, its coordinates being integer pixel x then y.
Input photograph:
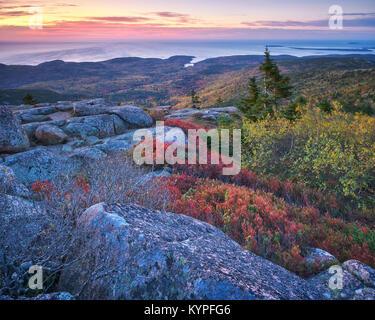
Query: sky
{"type": "Point", "coordinates": [69, 20]}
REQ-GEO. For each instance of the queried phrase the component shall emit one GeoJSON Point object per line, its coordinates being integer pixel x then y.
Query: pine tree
{"type": "Point", "coordinates": [29, 100]}
{"type": "Point", "coordinates": [250, 106]}
{"type": "Point", "coordinates": [293, 111]}
{"type": "Point", "coordinates": [275, 85]}
{"type": "Point", "coordinates": [219, 102]}
{"type": "Point", "coordinates": [325, 106]}
{"type": "Point", "coordinates": [195, 99]}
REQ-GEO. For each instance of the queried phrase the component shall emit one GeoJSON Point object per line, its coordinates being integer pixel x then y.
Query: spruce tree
{"type": "Point", "coordinates": [293, 111]}
{"type": "Point", "coordinates": [325, 106]}
{"type": "Point", "coordinates": [250, 106]}
{"type": "Point", "coordinates": [275, 85]}
{"type": "Point", "coordinates": [29, 100]}
{"type": "Point", "coordinates": [194, 98]}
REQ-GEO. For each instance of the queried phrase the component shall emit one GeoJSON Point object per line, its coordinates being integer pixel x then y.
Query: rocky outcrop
{"type": "Point", "coordinates": [363, 272]}
{"type": "Point", "coordinates": [319, 260]}
{"type": "Point", "coordinates": [9, 183]}
{"type": "Point", "coordinates": [101, 126]}
{"type": "Point", "coordinates": [358, 282]}
{"type": "Point", "coordinates": [89, 153]}
{"type": "Point", "coordinates": [39, 164]}
{"type": "Point", "coordinates": [85, 118]}
{"type": "Point", "coordinates": [13, 137]}
{"type": "Point", "coordinates": [168, 256]}
{"type": "Point", "coordinates": [134, 116]}
{"type": "Point", "coordinates": [207, 113]}
{"type": "Point", "coordinates": [50, 135]}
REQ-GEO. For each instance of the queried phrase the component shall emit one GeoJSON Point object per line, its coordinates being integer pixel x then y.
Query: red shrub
{"type": "Point", "coordinates": [265, 224]}
{"type": "Point", "coordinates": [184, 125]}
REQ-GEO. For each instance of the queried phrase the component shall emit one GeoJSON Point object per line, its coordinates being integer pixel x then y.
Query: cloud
{"type": "Point", "coordinates": [96, 30]}
{"type": "Point", "coordinates": [13, 13]}
{"type": "Point", "coordinates": [179, 17]}
{"type": "Point", "coordinates": [168, 14]}
{"type": "Point", "coordinates": [360, 14]}
{"type": "Point", "coordinates": [120, 19]}
{"type": "Point", "coordinates": [368, 22]}
{"type": "Point", "coordinates": [289, 23]}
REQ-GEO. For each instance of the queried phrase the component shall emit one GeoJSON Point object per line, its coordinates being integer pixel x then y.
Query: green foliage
{"type": "Point", "coordinates": [251, 107]}
{"type": "Point", "coordinates": [293, 111]}
{"type": "Point", "coordinates": [219, 102]}
{"type": "Point", "coordinates": [332, 152]}
{"type": "Point", "coordinates": [275, 87]}
{"type": "Point", "coordinates": [325, 106]}
{"type": "Point", "coordinates": [29, 100]}
{"type": "Point", "coordinates": [194, 98]}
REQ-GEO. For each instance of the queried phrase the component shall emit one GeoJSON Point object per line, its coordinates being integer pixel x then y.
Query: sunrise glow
{"type": "Point", "coordinates": [160, 19]}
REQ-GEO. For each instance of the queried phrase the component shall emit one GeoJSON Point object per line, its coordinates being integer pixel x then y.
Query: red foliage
{"type": "Point", "coordinates": [43, 188]}
{"type": "Point", "coordinates": [265, 224]}
{"type": "Point", "coordinates": [184, 125]}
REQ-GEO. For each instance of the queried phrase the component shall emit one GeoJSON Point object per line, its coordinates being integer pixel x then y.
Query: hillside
{"type": "Point", "coordinates": [159, 82]}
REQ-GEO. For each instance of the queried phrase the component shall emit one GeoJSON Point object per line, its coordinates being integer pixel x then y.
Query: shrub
{"type": "Point", "coordinates": [184, 125]}
{"type": "Point", "coordinates": [43, 232]}
{"type": "Point", "coordinates": [331, 152]}
{"type": "Point", "coordinates": [156, 114]}
{"type": "Point", "coordinates": [268, 225]}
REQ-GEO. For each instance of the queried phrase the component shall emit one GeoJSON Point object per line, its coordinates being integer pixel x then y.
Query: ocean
{"type": "Point", "coordinates": [33, 53]}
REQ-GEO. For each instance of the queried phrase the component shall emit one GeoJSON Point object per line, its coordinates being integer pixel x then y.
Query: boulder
{"type": "Point", "coordinates": [13, 207]}
{"type": "Point", "coordinates": [363, 272]}
{"type": "Point", "coordinates": [92, 140]}
{"type": "Point", "coordinates": [37, 114]}
{"type": "Point", "coordinates": [50, 135]}
{"type": "Point", "coordinates": [133, 115]}
{"type": "Point", "coordinates": [101, 126]}
{"type": "Point", "coordinates": [60, 115]}
{"type": "Point", "coordinates": [158, 255]}
{"type": "Point", "coordinates": [88, 110]}
{"type": "Point", "coordinates": [89, 153]}
{"type": "Point", "coordinates": [39, 164]}
{"type": "Point", "coordinates": [115, 145]}
{"type": "Point", "coordinates": [319, 259]}
{"type": "Point", "coordinates": [30, 128]}
{"type": "Point", "coordinates": [350, 285]}
{"type": "Point", "coordinates": [9, 184]}
{"type": "Point", "coordinates": [13, 137]}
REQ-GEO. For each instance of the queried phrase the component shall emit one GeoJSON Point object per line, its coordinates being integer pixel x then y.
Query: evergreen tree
{"type": "Point", "coordinates": [263, 102]}
{"type": "Point", "coordinates": [253, 91]}
{"type": "Point", "coordinates": [251, 106]}
{"type": "Point", "coordinates": [195, 99]}
{"type": "Point", "coordinates": [293, 111]}
{"type": "Point", "coordinates": [325, 106]}
{"type": "Point", "coordinates": [219, 102]}
{"type": "Point", "coordinates": [29, 100]}
{"type": "Point", "coordinates": [275, 85]}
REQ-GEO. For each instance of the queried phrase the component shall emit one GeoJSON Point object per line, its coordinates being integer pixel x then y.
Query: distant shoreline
{"type": "Point", "coordinates": [36, 53]}
{"type": "Point", "coordinates": [191, 62]}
